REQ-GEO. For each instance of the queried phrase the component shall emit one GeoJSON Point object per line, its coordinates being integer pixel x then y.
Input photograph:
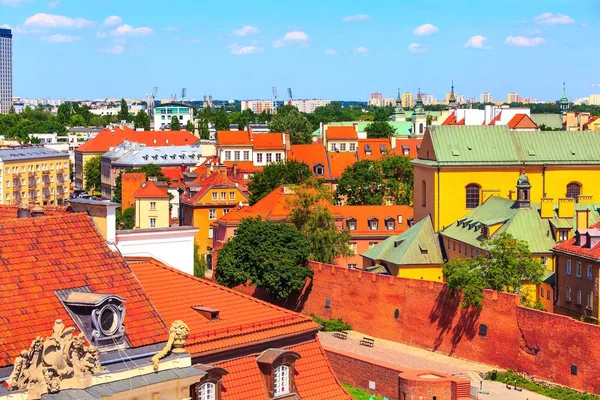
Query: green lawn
{"type": "Point", "coordinates": [359, 394]}
{"type": "Point", "coordinates": [552, 392]}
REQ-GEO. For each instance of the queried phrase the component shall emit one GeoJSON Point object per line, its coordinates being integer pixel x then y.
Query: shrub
{"type": "Point", "coordinates": [331, 325]}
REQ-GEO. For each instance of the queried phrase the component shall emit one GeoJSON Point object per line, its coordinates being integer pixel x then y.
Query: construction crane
{"type": "Point", "coordinates": [290, 96]}
{"type": "Point", "coordinates": [274, 99]}
{"type": "Point", "coordinates": [183, 93]}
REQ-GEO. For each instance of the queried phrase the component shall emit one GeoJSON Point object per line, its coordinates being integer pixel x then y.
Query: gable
{"type": "Point", "coordinates": [427, 151]}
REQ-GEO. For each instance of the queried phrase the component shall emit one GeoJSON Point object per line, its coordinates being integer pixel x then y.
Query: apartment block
{"type": "Point", "coordinates": [6, 74]}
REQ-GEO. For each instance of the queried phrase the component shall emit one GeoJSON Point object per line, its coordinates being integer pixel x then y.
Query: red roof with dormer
{"type": "Point", "coordinates": [149, 190]}
{"type": "Point", "coordinates": [571, 246]}
{"type": "Point", "coordinates": [109, 138]}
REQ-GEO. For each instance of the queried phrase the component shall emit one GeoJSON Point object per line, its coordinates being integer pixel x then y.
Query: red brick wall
{"type": "Point", "coordinates": [421, 389]}
{"type": "Point", "coordinates": [530, 341]}
{"type": "Point", "coordinates": [358, 371]}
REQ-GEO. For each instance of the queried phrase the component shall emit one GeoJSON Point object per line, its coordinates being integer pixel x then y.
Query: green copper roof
{"type": "Point", "coordinates": [489, 145]}
{"type": "Point", "coordinates": [553, 121]}
{"type": "Point", "coordinates": [522, 223]}
{"type": "Point", "coordinates": [418, 245]}
{"type": "Point", "coordinates": [402, 128]}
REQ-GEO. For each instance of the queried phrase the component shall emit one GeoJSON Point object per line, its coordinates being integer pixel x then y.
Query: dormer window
{"type": "Point", "coordinates": [351, 224]}
{"type": "Point", "coordinates": [319, 170]}
{"type": "Point", "coordinates": [390, 224]}
{"type": "Point", "coordinates": [368, 149]}
{"type": "Point", "coordinates": [277, 366]}
{"type": "Point", "coordinates": [209, 387]}
{"type": "Point", "coordinates": [206, 391]}
{"type": "Point", "coordinates": [373, 224]}
{"type": "Point", "coordinates": [281, 378]}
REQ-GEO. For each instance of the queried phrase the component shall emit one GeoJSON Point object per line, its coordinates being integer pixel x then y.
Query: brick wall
{"type": "Point", "coordinates": [534, 342]}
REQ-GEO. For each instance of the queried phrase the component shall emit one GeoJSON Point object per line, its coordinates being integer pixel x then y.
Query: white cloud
{"type": "Point", "coordinates": [330, 52]}
{"type": "Point", "coordinates": [113, 20]}
{"type": "Point", "coordinates": [355, 18]}
{"type": "Point", "coordinates": [128, 30]}
{"type": "Point", "coordinates": [54, 4]}
{"type": "Point", "coordinates": [477, 42]}
{"type": "Point", "coordinates": [425, 30]}
{"type": "Point", "coordinates": [114, 49]}
{"type": "Point", "coordinates": [240, 50]}
{"type": "Point", "coordinates": [12, 3]}
{"type": "Point", "coordinates": [417, 48]}
{"type": "Point", "coordinates": [361, 51]}
{"type": "Point", "coordinates": [60, 38]}
{"type": "Point", "coordinates": [246, 30]}
{"type": "Point", "coordinates": [521, 41]}
{"type": "Point", "coordinates": [42, 20]}
{"type": "Point", "coordinates": [549, 18]}
{"type": "Point", "coordinates": [294, 37]}
{"type": "Point", "coordinates": [5, 26]}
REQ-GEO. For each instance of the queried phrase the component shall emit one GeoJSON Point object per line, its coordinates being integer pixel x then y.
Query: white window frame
{"type": "Point", "coordinates": [236, 155]}
{"type": "Point", "coordinates": [569, 267]}
{"type": "Point", "coordinates": [207, 391]}
{"type": "Point", "coordinates": [231, 195]}
{"type": "Point", "coordinates": [215, 195]}
{"type": "Point", "coordinates": [269, 157]}
{"type": "Point", "coordinates": [568, 294]}
{"type": "Point", "coordinates": [342, 146]}
{"type": "Point", "coordinates": [152, 205]}
{"type": "Point", "coordinates": [578, 297]}
{"type": "Point", "coordinates": [590, 273]}
{"type": "Point", "coordinates": [259, 157]}
{"type": "Point", "coordinates": [152, 222]}
{"type": "Point", "coordinates": [210, 233]}
{"type": "Point", "coordinates": [246, 155]}
{"type": "Point", "coordinates": [212, 214]}
{"type": "Point", "coordinates": [228, 155]}
{"type": "Point", "coordinates": [277, 157]}
{"type": "Point", "coordinates": [352, 147]}
{"type": "Point", "coordinates": [578, 271]}
{"type": "Point", "coordinates": [223, 195]}
{"type": "Point", "coordinates": [590, 301]}
{"type": "Point", "coordinates": [281, 381]}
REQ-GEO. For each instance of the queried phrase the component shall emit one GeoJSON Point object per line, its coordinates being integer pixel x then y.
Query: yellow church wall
{"type": "Point", "coordinates": [422, 272]}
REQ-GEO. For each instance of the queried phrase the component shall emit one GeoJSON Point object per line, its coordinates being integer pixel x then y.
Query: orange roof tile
{"type": "Point", "coordinates": [362, 214]}
{"type": "Point", "coordinates": [233, 138]}
{"type": "Point", "coordinates": [242, 319]}
{"type": "Point", "coordinates": [412, 145]}
{"type": "Point", "coordinates": [341, 132]}
{"type": "Point", "coordinates": [338, 162]}
{"type": "Point", "coordinates": [149, 190]}
{"type": "Point", "coordinates": [496, 119]}
{"type": "Point", "coordinates": [204, 184]}
{"type": "Point", "coordinates": [521, 121]}
{"type": "Point", "coordinates": [376, 146]}
{"type": "Point", "coordinates": [268, 141]}
{"type": "Point", "coordinates": [44, 254]}
{"type": "Point", "coordinates": [450, 120]}
{"type": "Point", "coordinates": [107, 139]}
{"type": "Point", "coordinates": [314, 377]}
{"type": "Point", "coordinates": [311, 155]}
{"type": "Point", "coordinates": [9, 212]}
{"type": "Point", "coordinates": [569, 246]}
{"type": "Point", "coordinates": [174, 174]}
{"type": "Point", "coordinates": [461, 122]}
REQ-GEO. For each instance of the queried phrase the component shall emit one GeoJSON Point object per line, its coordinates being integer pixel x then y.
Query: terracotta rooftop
{"type": "Point", "coordinates": [242, 319]}
{"type": "Point", "coordinates": [362, 215]}
{"type": "Point", "coordinates": [233, 138]}
{"type": "Point", "coordinates": [569, 246]}
{"type": "Point", "coordinates": [338, 162]}
{"type": "Point", "coordinates": [373, 149]}
{"type": "Point", "coordinates": [107, 139]}
{"type": "Point", "coordinates": [410, 145]}
{"type": "Point", "coordinates": [204, 184]}
{"type": "Point", "coordinates": [496, 119]}
{"type": "Point", "coordinates": [314, 377]}
{"type": "Point", "coordinates": [174, 174]}
{"type": "Point", "coordinates": [265, 141]}
{"type": "Point", "coordinates": [9, 212]}
{"type": "Point", "coordinates": [311, 155]}
{"type": "Point", "coordinates": [341, 132]}
{"type": "Point", "coordinates": [149, 190]}
{"type": "Point", "coordinates": [44, 254]}
{"type": "Point", "coordinates": [522, 121]}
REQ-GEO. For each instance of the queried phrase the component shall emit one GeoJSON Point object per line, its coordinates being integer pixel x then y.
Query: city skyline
{"type": "Point", "coordinates": [91, 49]}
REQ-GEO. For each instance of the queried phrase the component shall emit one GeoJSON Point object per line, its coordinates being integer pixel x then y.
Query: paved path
{"type": "Point", "coordinates": [416, 358]}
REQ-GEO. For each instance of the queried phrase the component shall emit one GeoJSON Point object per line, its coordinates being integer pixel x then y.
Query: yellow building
{"type": "Point", "coordinates": [151, 206]}
{"type": "Point", "coordinates": [34, 175]}
{"type": "Point", "coordinates": [459, 167]}
{"type": "Point", "coordinates": [206, 201]}
{"type": "Point", "coordinates": [408, 99]}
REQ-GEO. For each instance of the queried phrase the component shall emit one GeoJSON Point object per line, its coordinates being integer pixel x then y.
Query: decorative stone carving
{"type": "Point", "coordinates": [177, 334]}
{"type": "Point", "coordinates": [49, 361]}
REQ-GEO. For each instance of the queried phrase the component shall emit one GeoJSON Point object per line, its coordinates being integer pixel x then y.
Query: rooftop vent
{"type": "Point", "coordinates": [210, 314]}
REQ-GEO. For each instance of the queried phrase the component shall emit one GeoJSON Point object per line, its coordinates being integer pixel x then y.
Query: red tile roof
{"type": "Point", "coordinates": [44, 254]}
{"type": "Point", "coordinates": [521, 121]}
{"type": "Point", "coordinates": [314, 377]}
{"type": "Point", "coordinates": [338, 162]}
{"type": "Point", "coordinates": [341, 132]}
{"type": "Point", "coordinates": [496, 119]}
{"type": "Point", "coordinates": [569, 246]}
{"type": "Point", "coordinates": [311, 155]}
{"type": "Point", "coordinates": [375, 145]}
{"type": "Point", "coordinates": [450, 120]}
{"type": "Point", "coordinates": [204, 184]}
{"type": "Point", "coordinates": [233, 138]}
{"type": "Point", "coordinates": [412, 145]}
{"type": "Point", "coordinates": [107, 139]}
{"type": "Point", "coordinates": [265, 141]}
{"type": "Point", "coordinates": [461, 122]}
{"type": "Point", "coordinates": [9, 212]}
{"type": "Point", "coordinates": [175, 175]}
{"type": "Point", "coordinates": [243, 320]}
{"type": "Point", "coordinates": [590, 121]}
{"type": "Point", "coordinates": [362, 214]}
{"type": "Point", "coordinates": [149, 190]}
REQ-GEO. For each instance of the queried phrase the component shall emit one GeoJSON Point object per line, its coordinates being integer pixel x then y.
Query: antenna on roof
{"type": "Point", "coordinates": [183, 93]}
{"type": "Point", "coordinates": [274, 99]}
{"type": "Point", "coordinates": [290, 96]}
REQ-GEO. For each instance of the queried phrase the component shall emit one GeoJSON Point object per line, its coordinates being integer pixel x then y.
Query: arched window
{"type": "Point", "coordinates": [573, 190]}
{"type": "Point", "coordinates": [207, 391]}
{"type": "Point", "coordinates": [420, 128]}
{"type": "Point", "coordinates": [281, 380]}
{"type": "Point", "coordinates": [473, 195]}
{"type": "Point", "coordinates": [423, 193]}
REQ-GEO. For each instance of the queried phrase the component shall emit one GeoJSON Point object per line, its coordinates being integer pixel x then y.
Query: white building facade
{"type": "Point", "coordinates": [258, 106]}
{"type": "Point", "coordinates": [6, 72]}
{"type": "Point", "coordinates": [309, 106]}
{"type": "Point", "coordinates": [164, 113]}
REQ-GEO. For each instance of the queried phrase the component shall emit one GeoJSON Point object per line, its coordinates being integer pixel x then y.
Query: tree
{"type": "Point", "coordinates": [142, 121]}
{"type": "Point", "coordinates": [12, 110]}
{"type": "Point", "coordinates": [311, 216]}
{"type": "Point", "coordinates": [92, 174]}
{"type": "Point", "coordinates": [379, 129]}
{"type": "Point", "coordinates": [293, 122]}
{"type": "Point", "coordinates": [64, 113]}
{"type": "Point", "coordinates": [77, 120]}
{"type": "Point", "coordinates": [274, 175]}
{"type": "Point", "coordinates": [124, 112]}
{"type": "Point", "coordinates": [398, 175]}
{"type": "Point", "coordinates": [126, 218]}
{"type": "Point", "coordinates": [199, 262]}
{"type": "Point", "coordinates": [203, 129]}
{"type": "Point", "coordinates": [270, 256]}
{"type": "Point", "coordinates": [382, 114]}
{"type": "Point", "coordinates": [505, 263]}
{"type": "Point", "coordinates": [362, 184]}
{"type": "Point", "coordinates": [221, 120]}
{"type": "Point", "coordinates": [175, 124]}
{"type": "Point", "coordinates": [118, 196]}
{"type": "Point", "coordinates": [190, 127]}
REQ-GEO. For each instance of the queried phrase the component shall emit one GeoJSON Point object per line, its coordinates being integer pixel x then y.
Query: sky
{"type": "Point", "coordinates": [332, 49]}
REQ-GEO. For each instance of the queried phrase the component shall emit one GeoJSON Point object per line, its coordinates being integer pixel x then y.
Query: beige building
{"type": "Point", "coordinates": [151, 206]}
{"type": "Point", "coordinates": [34, 175]}
{"type": "Point", "coordinates": [594, 100]}
{"type": "Point", "coordinates": [258, 106]}
{"type": "Point", "coordinates": [310, 105]}
{"type": "Point", "coordinates": [512, 98]}
{"type": "Point", "coordinates": [408, 99]}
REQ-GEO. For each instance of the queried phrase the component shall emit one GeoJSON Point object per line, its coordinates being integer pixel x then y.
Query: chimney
{"type": "Point", "coordinates": [547, 208]}
{"type": "Point", "coordinates": [584, 199]}
{"type": "Point", "coordinates": [580, 239]}
{"type": "Point", "coordinates": [566, 207]}
{"type": "Point", "coordinates": [23, 211]}
{"type": "Point", "coordinates": [37, 211]}
{"type": "Point", "coordinates": [582, 221]}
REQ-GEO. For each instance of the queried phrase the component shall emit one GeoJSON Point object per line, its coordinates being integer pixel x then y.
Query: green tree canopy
{"type": "Point", "coordinates": [124, 112]}
{"type": "Point", "coordinates": [126, 217]}
{"type": "Point", "coordinates": [504, 264]}
{"type": "Point", "coordinates": [64, 113]}
{"type": "Point", "coordinates": [398, 175]}
{"type": "Point", "coordinates": [203, 129]}
{"type": "Point", "coordinates": [379, 129]}
{"type": "Point", "coordinates": [221, 120]}
{"type": "Point", "coordinates": [92, 174]}
{"type": "Point", "coordinates": [190, 126]}
{"type": "Point", "coordinates": [142, 121]}
{"type": "Point", "coordinates": [175, 124]}
{"type": "Point", "coordinates": [293, 122]}
{"type": "Point", "coordinates": [274, 175]}
{"type": "Point", "coordinates": [77, 120]}
{"type": "Point", "coordinates": [270, 256]}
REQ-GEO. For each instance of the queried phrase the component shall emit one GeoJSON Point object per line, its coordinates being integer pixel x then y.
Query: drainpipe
{"type": "Point", "coordinates": [544, 180]}
{"type": "Point", "coordinates": [438, 198]}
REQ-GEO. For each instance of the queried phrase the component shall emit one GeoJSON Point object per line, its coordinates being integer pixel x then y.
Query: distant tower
{"type": "Point", "coordinates": [6, 73]}
{"type": "Point", "coordinates": [399, 114]}
{"type": "Point", "coordinates": [564, 102]}
{"type": "Point", "coordinates": [419, 110]}
{"type": "Point", "coordinates": [523, 191]}
{"type": "Point", "coordinates": [419, 117]}
{"type": "Point", "coordinates": [452, 99]}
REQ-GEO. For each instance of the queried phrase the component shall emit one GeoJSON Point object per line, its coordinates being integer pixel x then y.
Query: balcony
{"type": "Point", "coordinates": [60, 171]}
{"type": "Point", "coordinates": [16, 175]}
{"type": "Point", "coordinates": [45, 173]}
{"type": "Point", "coordinates": [31, 174]}
{"type": "Point", "coordinates": [45, 183]}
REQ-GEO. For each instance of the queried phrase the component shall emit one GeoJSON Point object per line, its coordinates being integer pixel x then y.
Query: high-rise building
{"type": "Point", "coordinates": [594, 100]}
{"type": "Point", "coordinates": [485, 98]}
{"type": "Point", "coordinates": [309, 105]}
{"type": "Point", "coordinates": [6, 75]}
{"type": "Point", "coordinates": [376, 95]}
{"type": "Point", "coordinates": [408, 99]}
{"type": "Point", "coordinates": [258, 106]}
{"type": "Point", "coordinates": [513, 98]}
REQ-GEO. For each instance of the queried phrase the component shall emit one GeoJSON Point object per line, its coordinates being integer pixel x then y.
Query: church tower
{"type": "Point", "coordinates": [399, 114]}
{"type": "Point", "coordinates": [564, 102]}
{"type": "Point", "coordinates": [452, 100]}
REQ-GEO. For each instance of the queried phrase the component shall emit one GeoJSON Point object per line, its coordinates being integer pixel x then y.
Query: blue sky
{"type": "Point", "coordinates": [332, 49]}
